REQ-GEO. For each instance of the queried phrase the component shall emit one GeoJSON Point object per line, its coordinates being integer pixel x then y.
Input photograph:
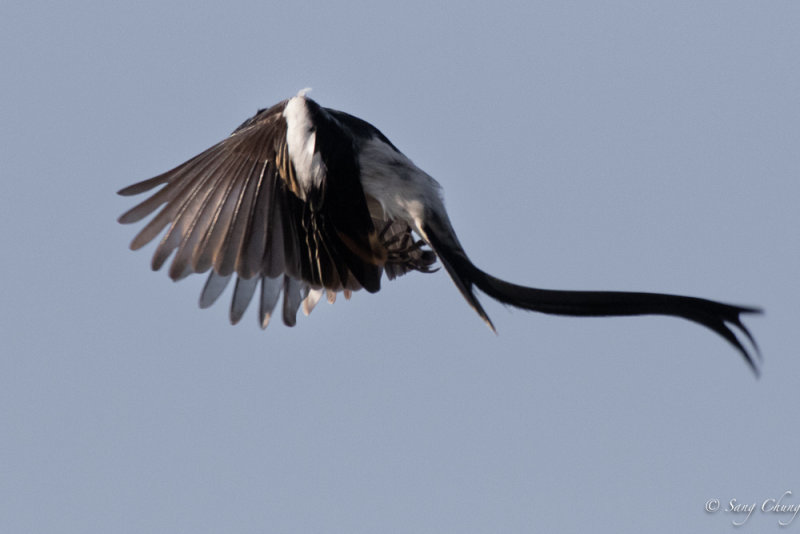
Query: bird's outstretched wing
{"type": "Point", "coordinates": [238, 209]}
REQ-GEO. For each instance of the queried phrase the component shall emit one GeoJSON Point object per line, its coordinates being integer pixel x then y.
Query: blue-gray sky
{"type": "Point", "coordinates": [581, 145]}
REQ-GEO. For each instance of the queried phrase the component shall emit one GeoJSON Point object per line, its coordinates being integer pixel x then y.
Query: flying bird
{"type": "Point", "coordinates": [310, 201]}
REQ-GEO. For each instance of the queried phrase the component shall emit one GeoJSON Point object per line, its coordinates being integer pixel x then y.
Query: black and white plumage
{"type": "Point", "coordinates": [307, 200]}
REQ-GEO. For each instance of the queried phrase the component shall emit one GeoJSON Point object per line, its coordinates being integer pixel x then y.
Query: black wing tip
{"type": "Point", "coordinates": [128, 191]}
{"type": "Point", "coordinates": [141, 187]}
{"type": "Point", "coordinates": [125, 218]}
{"type": "Point", "coordinates": [147, 185]}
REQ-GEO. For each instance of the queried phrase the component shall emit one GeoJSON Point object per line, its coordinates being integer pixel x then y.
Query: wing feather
{"type": "Point", "coordinates": [270, 292]}
{"type": "Point", "coordinates": [294, 292]}
{"type": "Point", "coordinates": [257, 231]}
{"type": "Point", "coordinates": [225, 260]}
{"type": "Point", "coordinates": [215, 285]}
{"type": "Point", "coordinates": [311, 300]}
{"type": "Point", "coordinates": [186, 190]}
{"type": "Point", "coordinates": [199, 219]}
{"type": "Point", "coordinates": [242, 295]}
{"type": "Point", "coordinates": [180, 180]}
{"type": "Point", "coordinates": [206, 251]}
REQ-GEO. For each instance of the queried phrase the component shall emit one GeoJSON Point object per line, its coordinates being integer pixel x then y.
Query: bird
{"type": "Point", "coordinates": [308, 201]}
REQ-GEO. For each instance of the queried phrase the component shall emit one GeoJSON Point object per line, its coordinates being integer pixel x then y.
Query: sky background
{"type": "Point", "coordinates": [580, 145]}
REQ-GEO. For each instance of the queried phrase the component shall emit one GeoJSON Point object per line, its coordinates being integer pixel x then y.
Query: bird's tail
{"type": "Point", "coordinates": [715, 316]}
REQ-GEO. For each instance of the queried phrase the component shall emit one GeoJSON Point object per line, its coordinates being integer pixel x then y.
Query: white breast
{"type": "Point", "coordinates": [402, 189]}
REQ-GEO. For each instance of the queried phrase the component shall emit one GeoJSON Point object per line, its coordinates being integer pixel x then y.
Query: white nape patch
{"type": "Point", "coordinates": [301, 140]}
{"type": "Point", "coordinates": [402, 189]}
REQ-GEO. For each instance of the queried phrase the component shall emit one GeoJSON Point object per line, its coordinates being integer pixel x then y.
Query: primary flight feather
{"type": "Point", "coordinates": [305, 201]}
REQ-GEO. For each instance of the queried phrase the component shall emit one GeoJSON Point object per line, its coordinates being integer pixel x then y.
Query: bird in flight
{"type": "Point", "coordinates": [311, 201]}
